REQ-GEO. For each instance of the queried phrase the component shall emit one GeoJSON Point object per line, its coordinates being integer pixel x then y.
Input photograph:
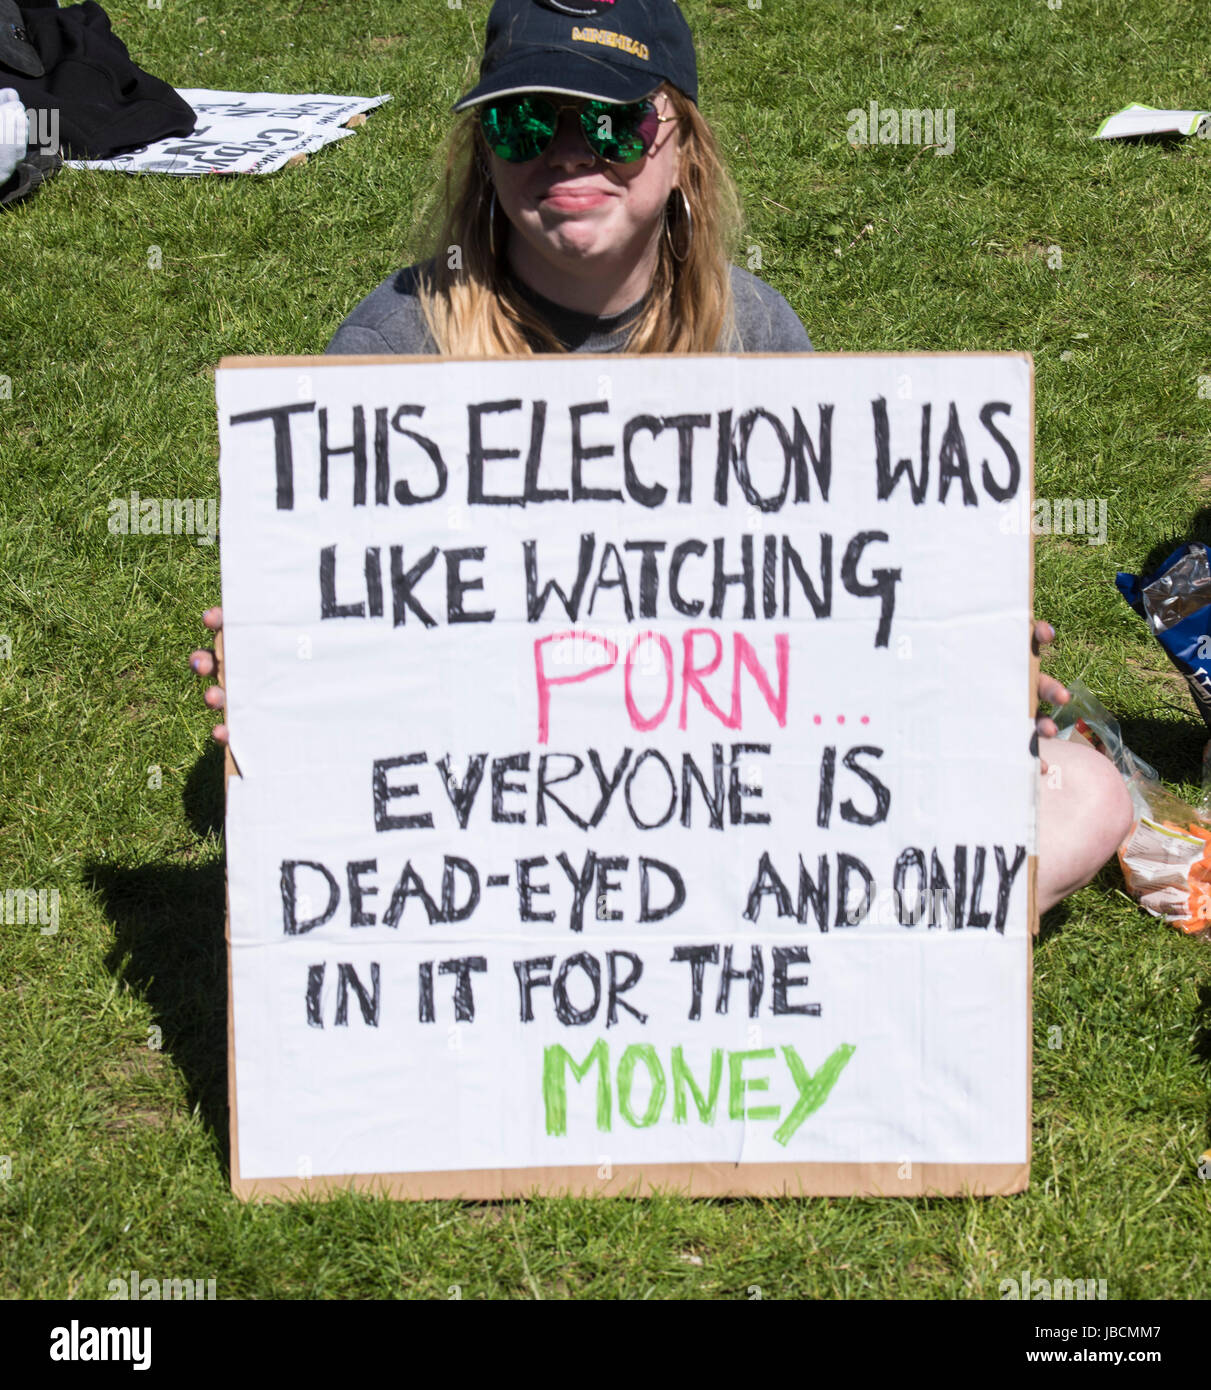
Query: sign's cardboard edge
{"type": "Point", "coordinates": [692, 1180]}
{"type": "Point", "coordinates": [637, 1180]}
{"type": "Point", "coordinates": [387, 358]}
{"type": "Point", "coordinates": [233, 1129]}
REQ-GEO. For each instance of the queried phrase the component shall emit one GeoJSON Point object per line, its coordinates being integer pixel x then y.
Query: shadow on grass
{"type": "Point", "coordinates": [1201, 1048]}
{"type": "Point", "coordinates": [1166, 139]}
{"type": "Point", "coordinates": [1108, 880]}
{"type": "Point", "coordinates": [202, 796]}
{"type": "Point", "coordinates": [1053, 923]}
{"type": "Point", "coordinates": [168, 943]}
{"type": "Point", "coordinates": [1198, 528]}
{"type": "Point", "coordinates": [1174, 747]}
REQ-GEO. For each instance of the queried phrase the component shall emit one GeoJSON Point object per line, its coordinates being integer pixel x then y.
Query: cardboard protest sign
{"type": "Point", "coordinates": [242, 133]}
{"type": "Point", "coordinates": [634, 775]}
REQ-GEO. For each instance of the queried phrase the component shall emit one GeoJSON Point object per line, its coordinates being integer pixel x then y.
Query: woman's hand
{"type": "Point", "coordinates": [1084, 809]}
{"type": "Point", "coordinates": [205, 664]}
{"type": "Point", "coordinates": [1049, 688]}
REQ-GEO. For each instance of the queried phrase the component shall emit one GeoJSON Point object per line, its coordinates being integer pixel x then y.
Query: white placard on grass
{"type": "Point", "coordinates": [242, 133]}
{"type": "Point", "coordinates": [634, 786]}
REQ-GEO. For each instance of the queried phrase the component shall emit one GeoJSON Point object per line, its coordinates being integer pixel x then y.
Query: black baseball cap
{"type": "Point", "coordinates": [16, 50]}
{"type": "Point", "coordinates": [607, 50]}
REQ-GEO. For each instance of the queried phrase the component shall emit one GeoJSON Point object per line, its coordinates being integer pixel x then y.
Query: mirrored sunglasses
{"type": "Point", "coordinates": [520, 128]}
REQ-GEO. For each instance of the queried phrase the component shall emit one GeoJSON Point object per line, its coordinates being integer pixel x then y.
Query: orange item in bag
{"type": "Point", "coordinates": [1167, 867]}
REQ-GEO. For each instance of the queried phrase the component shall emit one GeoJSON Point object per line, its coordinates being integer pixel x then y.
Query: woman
{"type": "Point", "coordinates": [586, 206]}
{"type": "Point", "coordinates": [587, 210]}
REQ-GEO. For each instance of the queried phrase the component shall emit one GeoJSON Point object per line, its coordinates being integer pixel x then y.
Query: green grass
{"type": "Point", "coordinates": [117, 1151]}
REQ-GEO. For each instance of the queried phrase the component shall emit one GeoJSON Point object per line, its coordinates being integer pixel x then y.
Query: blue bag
{"type": "Point", "coordinates": [1175, 601]}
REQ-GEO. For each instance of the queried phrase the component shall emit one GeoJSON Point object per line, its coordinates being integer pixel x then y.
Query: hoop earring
{"type": "Point", "coordinates": [689, 236]}
{"type": "Point", "coordinates": [492, 225]}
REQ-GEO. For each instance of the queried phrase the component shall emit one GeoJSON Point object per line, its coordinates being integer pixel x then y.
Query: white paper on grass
{"type": "Point", "coordinates": [242, 133]}
{"type": "Point", "coordinates": [937, 1018]}
{"type": "Point", "coordinates": [1149, 120]}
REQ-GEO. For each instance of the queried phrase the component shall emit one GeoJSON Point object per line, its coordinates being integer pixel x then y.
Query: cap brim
{"type": "Point", "coordinates": [564, 71]}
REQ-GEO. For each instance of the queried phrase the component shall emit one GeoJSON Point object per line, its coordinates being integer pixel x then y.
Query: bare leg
{"type": "Point", "coordinates": [1084, 815]}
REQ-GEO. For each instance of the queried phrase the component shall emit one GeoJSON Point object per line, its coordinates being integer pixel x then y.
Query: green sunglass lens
{"type": "Point", "coordinates": [620, 134]}
{"type": "Point", "coordinates": [521, 129]}
{"type": "Point", "coordinates": [518, 131]}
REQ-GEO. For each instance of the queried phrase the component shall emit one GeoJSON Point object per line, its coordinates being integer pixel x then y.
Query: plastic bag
{"type": "Point", "coordinates": [1166, 857]}
{"type": "Point", "coordinates": [1175, 601]}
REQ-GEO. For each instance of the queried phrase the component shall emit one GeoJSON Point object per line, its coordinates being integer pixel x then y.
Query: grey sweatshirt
{"type": "Point", "coordinates": [389, 320]}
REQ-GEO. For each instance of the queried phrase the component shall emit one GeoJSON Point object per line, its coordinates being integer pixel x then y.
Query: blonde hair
{"type": "Point", "coordinates": [472, 308]}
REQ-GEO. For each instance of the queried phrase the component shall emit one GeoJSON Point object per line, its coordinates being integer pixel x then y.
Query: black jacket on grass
{"type": "Point", "coordinates": [106, 102]}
